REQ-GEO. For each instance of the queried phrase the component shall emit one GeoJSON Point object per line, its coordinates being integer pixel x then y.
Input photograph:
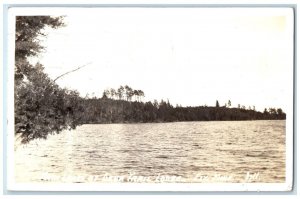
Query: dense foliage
{"type": "Point", "coordinates": [107, 110]}
{"type": "Point", "coordinates": [41, 107]}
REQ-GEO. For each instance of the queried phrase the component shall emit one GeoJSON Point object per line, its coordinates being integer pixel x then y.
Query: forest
{"type": "Point", "coordinates": [117, 106]}
{"type": "Point", "coordinates": [42, 107]}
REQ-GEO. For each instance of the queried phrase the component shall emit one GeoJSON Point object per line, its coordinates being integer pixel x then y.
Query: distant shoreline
{"type": "Point", "coordinates": [109, 111]}
{"type": "Point", "coordinates": [184, 122]}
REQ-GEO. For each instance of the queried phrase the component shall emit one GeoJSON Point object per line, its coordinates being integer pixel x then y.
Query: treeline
{"type": "Point", "coordinates": [123, 93]}
{"type": "Point", "coordinates": [106, 110]}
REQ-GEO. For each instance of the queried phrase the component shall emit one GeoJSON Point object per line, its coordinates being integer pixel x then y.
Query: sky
{"type": "Point", "coordinates": [191, 56]}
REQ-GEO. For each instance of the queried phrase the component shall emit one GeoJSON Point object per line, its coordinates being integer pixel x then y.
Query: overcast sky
{"type": "Point", "coordinates": [191, 56]}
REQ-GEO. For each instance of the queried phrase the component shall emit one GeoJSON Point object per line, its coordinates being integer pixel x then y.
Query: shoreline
{"type": "Point", "coordinates": [181, 122]}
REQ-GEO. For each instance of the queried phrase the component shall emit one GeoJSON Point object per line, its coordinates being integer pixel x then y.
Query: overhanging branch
{"type": "Point", "coordinates": [71, 71]}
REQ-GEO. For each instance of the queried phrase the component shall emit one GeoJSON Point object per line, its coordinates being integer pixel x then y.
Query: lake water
{"type": "Point", "coordinates": [223, 151]}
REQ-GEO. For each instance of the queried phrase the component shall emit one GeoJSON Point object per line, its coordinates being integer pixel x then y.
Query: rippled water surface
{"type": "Point", "coordinates": [239, 151]}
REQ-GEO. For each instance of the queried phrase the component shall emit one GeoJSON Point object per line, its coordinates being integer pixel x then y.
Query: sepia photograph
{"type": "Point", "coordinates": [159, 97]}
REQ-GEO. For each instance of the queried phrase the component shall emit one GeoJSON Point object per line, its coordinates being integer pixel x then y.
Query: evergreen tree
{"type": "Point", "coordinates": [217, 104]}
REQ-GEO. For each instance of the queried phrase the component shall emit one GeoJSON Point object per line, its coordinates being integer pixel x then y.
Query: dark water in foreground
{"type": "Point", "coordinates": [239, 151]}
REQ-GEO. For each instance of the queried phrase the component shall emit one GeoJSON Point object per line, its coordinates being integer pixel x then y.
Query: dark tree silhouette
{"type": "Point", "coordinates": [120, 92]}
{"type": "Point", "coordinates": [128, 93]}
{"type": "Point", "coordinates": [229, 103]}
{"type": "Point", "coordinates": [112, 93]}
{"type": "Point", "coordinates": [105, 94]}
{"type": "Point", "coordinates": [217, 104]}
